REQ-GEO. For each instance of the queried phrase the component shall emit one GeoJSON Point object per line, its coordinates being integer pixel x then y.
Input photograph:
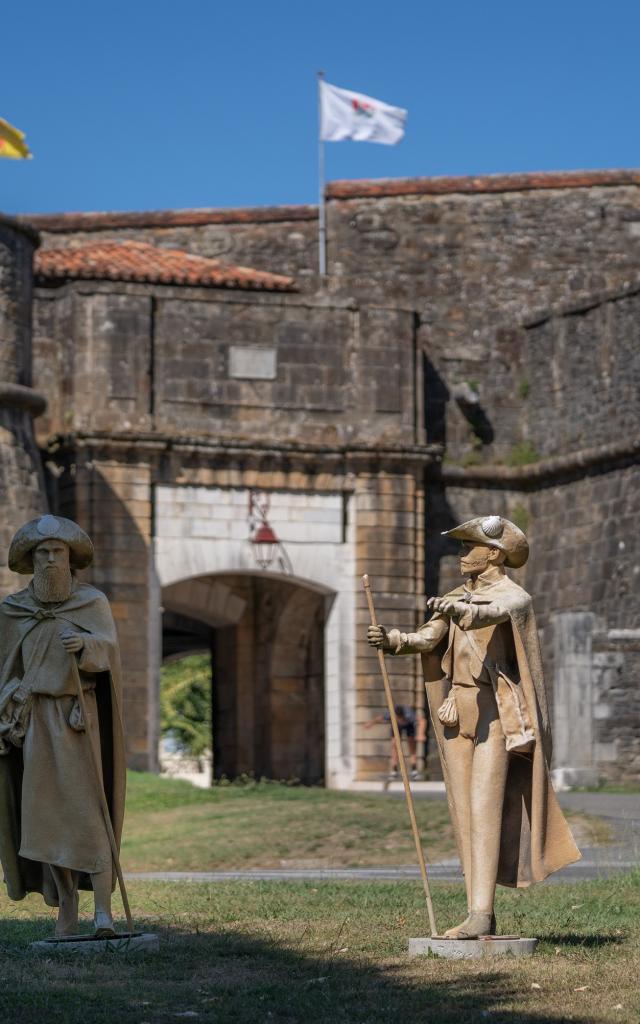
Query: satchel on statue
{"type": "Point", "coordinates": [15, 712]}
{"type": "Point", "coordinates": [514, 714]}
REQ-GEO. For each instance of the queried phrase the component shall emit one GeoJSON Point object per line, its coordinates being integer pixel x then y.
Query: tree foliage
{"type": "Point", "coordinates": [185, 703]}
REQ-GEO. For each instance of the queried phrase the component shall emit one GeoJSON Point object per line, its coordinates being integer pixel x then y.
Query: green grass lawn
{"type": "Point", "coordinates": [332, 953]}
{"type": "Point", "coordinates": [172, 826]}
{"type": "Point", "coordinates": [270, 825]}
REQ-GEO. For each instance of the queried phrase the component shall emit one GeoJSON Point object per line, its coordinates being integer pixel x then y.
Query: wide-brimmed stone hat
{"type": "Point", "coordinates": [497, 533]}
{"type": "Point", "coordinates": [49, 528]}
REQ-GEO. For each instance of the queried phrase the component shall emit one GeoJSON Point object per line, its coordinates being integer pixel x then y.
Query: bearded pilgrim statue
{"type": "Point", "coordinates": [53, 838]}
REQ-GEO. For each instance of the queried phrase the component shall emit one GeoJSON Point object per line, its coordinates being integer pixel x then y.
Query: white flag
{"type": "Point", "coordinates": [350, 115]}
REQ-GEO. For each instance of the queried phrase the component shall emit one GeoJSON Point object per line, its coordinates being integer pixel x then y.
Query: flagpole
{"type": "Point", "coordinates": [322, 213]}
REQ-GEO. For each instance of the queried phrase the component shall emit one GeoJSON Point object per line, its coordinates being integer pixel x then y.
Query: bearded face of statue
{"type": "Point", "coordinates": [51, 572]}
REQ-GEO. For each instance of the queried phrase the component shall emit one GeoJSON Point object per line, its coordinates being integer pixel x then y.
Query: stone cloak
{"type": "Point", "coordinates": [87, 611]}
{"type": "Point", "coordinates": [535, 838]}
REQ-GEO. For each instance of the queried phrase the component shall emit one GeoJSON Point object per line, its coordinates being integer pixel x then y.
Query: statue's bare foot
{"type": "Point", "coordinates": [476, 924]}
{"type": "Point", "coordinates": [67, 923]}
{"type": "Point", "coordinates": [103, 924]}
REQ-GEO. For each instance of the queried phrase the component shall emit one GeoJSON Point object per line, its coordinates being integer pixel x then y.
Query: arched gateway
{"type": "Point", "coordinates": [282, 663]}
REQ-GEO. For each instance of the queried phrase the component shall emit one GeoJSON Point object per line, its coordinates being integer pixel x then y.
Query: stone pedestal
{"type": "Point", "coordinates": [472, 949]}
{"type": "Point", "coordinates": [137, 942]}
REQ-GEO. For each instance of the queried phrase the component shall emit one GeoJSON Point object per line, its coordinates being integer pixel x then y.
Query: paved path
{"type": "Point", "coordinates": [613, 806]}
{"type": "Point", "coordinates": [596, 863]}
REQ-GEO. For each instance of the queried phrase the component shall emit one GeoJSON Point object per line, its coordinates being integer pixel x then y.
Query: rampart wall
{"type": "Point", "coordinates": [21, 480]}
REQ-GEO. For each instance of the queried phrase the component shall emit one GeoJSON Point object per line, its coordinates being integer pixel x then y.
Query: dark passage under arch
{"type": "Point", "coordinates": [266, 638]}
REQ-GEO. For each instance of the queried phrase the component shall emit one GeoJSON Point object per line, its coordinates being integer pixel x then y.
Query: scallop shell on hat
{"type": "Point", "coordinates": [492, 526]}
{"type": "Point", "coordinates": [48, 525]}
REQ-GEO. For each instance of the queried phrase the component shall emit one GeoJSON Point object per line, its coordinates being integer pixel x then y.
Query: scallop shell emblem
{"type": "Point", "coordinates": [492, 526]}
{"type": "Point", "coordinates": [48, 526]}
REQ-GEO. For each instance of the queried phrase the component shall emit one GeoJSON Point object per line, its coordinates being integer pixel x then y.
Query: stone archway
{"type": "Point", "coordinates": [266, 637]}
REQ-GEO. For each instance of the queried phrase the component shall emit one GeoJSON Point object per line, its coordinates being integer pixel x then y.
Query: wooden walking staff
{"type": "Point", "coordinates": [402, 763]}
{"type": "Point", "coordinates": [104, 806]}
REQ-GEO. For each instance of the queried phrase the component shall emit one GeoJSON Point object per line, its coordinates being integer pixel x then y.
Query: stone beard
{"type": "Point", "coordinates": [52, 584]}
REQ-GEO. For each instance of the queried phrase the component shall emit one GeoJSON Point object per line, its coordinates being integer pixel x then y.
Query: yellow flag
{"type": "Point", "coordinates": [12, 144]}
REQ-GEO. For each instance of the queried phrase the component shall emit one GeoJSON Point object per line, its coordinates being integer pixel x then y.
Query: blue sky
{"type": "Point", "coordinates": [141, 105]}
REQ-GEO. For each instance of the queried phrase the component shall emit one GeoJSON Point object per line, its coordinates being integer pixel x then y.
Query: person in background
{"type": "Point", "coordinates": [409, 726]}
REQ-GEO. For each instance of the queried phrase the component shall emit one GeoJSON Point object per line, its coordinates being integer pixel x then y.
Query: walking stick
{"type": "Point", "coordinates": [104, 807]}
{"type": "Point", "coordinates": [402, 763]}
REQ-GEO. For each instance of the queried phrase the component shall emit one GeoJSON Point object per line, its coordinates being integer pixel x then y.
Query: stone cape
{"type": "Point", "coordinates": [535, 837]}
{"type": "Point", "coordinates": [87, 610]}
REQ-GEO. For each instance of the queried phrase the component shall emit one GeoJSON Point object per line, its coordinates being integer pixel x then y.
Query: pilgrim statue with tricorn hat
{"type": "Point", "coordinates": [62, 762]}
{"type": "Point", "coordinates": [487, 700]}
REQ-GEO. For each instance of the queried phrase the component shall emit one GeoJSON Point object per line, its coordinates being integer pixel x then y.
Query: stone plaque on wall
{"type": "Point", "coordinates": [251, 362]}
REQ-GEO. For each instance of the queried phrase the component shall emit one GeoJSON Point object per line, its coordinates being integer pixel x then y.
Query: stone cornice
{"type": "Point", "coordinates": [150, 442]}
{"type": "Point", "coordinates": [16, 396]}
{"type": "Point", "coordinates": [544, 473]}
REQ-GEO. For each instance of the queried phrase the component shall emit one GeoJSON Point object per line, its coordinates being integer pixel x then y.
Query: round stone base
{"type": "Point", "coordinates": [472, 949]}
{"type": "Point", "coordinates": [136, 942]}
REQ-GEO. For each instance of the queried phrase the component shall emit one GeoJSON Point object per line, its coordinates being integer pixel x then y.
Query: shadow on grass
{"type": "Point", "coordinates": [586, 941]}
{"type": "Point", "coordinates": [236, 978]}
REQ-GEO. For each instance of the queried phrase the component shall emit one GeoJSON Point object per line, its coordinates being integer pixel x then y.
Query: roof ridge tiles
{"type": "Point", "coordinates": [477, 184]}
{"type": "Point", "coordinates": [103, 220]}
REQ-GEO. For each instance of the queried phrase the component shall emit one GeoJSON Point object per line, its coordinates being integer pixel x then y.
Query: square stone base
{"type": "Point", "coordinates": [472, 949]}
{"type": "Point", "coordinates": [136, 942]}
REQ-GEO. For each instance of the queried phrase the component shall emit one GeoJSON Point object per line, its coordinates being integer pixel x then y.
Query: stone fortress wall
{"type": "Point", "coordinates": [494, 320]}
{"type": "Point", "coordinates": [22, 492]}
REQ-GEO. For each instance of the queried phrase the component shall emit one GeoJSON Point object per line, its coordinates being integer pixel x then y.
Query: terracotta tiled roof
{"type": "Point", "coordinates": [485, 183]}
{"type": "Point", "coordinates": [139, 261]}
{"type": "Point", "coordinates": [62, 222]}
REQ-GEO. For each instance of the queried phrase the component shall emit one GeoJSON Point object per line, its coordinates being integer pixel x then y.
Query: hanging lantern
{"type": "Point", "coordinates": [264, 543]}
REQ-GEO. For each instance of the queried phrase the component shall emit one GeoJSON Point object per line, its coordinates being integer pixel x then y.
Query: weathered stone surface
{"type": "Point", "coordinates": [472, 949]}
{"type": "Point", "coordinates": [21, 481]}
{"type": "Point", "coordinates": [141, 942]}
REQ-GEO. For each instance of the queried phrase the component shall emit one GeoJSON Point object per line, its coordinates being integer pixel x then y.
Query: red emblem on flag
{"type": "Point", "coordinates": [364, 109]}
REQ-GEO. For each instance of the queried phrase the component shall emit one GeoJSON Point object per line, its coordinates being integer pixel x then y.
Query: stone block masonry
{"type": "Point", "coordinates": [22, 492]}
